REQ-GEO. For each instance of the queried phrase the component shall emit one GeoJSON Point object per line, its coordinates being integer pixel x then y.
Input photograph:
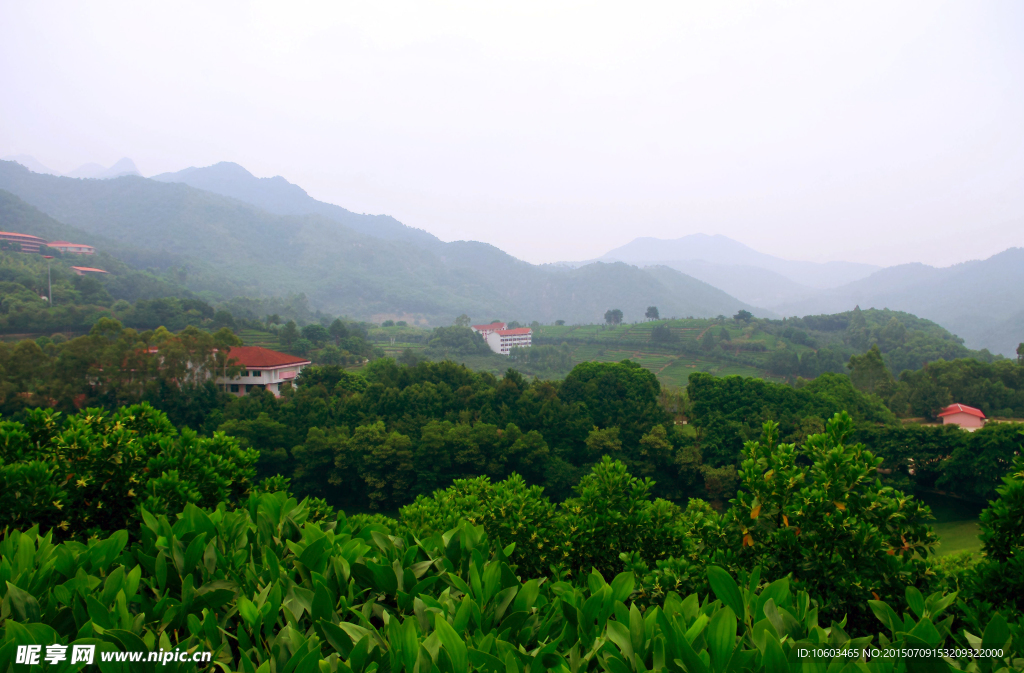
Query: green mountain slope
{"type": "Point", "coordinates": [345, 271]}
{"type": "Point", "coordinates": [979, 301]}
{"type": "Point", "coordinates": [126, 280]}
{"type": "Point", "coordinates": [277, 195]}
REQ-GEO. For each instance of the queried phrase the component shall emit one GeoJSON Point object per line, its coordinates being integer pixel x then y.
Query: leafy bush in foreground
{"type": "Point", "coordinates": [266, 590]}
{"type": "Point", "coordinates": [818, 513]}
{"type": "Point", "coordinates": [90, 473]}
{"type": "Point", "coordinates": [999, 576]}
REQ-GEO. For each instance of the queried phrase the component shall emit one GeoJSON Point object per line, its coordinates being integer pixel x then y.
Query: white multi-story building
{"type": "Point", "coordinates": [261, 368]}
{"type": "Point", "coordinates": [502, 340]}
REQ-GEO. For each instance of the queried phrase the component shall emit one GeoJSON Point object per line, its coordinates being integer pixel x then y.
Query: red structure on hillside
{"type": "Point", "coordinates": [966, 417]}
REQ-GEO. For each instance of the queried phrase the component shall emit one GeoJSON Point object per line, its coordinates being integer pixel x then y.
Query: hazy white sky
{"type": "Point", "coordinates": [881, 132]}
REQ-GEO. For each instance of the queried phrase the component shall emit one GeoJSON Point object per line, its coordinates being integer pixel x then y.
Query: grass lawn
{"type": "Point", "coordinates": [957, 536]}
{"type": "Point", "coordinates": [956, 523]}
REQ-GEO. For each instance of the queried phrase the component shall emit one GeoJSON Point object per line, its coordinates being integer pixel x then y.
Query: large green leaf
{"type": "Point", "coordinates": [619, 634]}
{"type": "Point", "coordinates": [726, 590]}
{"type": "Point", "coordinates": [451, 641]}
{"type": "Point", "coordinates": [25, 606]}
{"type": "Point", "coordinates": [622, 586]}
{"type": "Point", "coordinates": [774, 659]}
{"type": "Point", "coordinates": [722, 638]}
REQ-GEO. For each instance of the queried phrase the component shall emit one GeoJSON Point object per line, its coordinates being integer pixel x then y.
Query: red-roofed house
{"type": "Point", "coordinates": [262, 368]}
{"type": "Point", "coordinates": [75, 248]}
{"type": "Point", "coordinates": [966, 417]}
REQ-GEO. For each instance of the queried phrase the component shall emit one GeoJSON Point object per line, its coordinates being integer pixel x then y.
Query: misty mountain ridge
{"type": "Point", "coordinates": [343, 270]}
{"type": "Point", "coordinates": [92, 171]}
{"type": "Point", "coordinates": [31, 163]}
{"type": "Point", "coordinates": [123, 167]}
{"type": "Point", "coordinates": [722, 250]}
{"type": "Point", "coordinates": [277, 195]}
{"type": "Point", "coordinates": [268, 236]}
{"type": "Point", "coordinates": [981, 301]}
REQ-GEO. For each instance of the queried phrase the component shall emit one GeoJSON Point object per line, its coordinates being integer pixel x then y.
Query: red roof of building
{"type": "Point", "coordinates": [65, 243]}
{"type": "Point", "coordinates": [493, 327]}
{"type": "Point", "coordinates": [961, 409]}
{"type": "Point", "coordinates": [30, 237]}
{"type": "Point", "coordinates": [256, 357]}
{"type": "Point", "coordinates": [513, 332]}
{"type": "Point", "coordinates": [88, 269]}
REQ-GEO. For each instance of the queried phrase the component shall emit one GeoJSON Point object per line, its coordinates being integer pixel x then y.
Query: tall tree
{"type": "Point", "coordinates": [338, 331]}
{"type": "Point", "coordinates": [707, 342]}
{"type": "Point", "coordinates": [613, 316]}
{"type": "Point", "coordinates": [652, 313]}
{"type": "Point", "coordinates": [289, 334]}
{"type": "Point", "coordinates": [869, 373]}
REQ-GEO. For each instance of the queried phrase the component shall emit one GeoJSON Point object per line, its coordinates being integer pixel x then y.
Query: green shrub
{"type": "Point", "coordinates": [511, 512]}
{"type": "Point", "coordinates": [821, 514]}
{"type": "Point", "coordinates": [265, 589]}
{"type": "Point", "coordinates": [998, 579]}
{"type": "Point", "coordinates": [89, 474]}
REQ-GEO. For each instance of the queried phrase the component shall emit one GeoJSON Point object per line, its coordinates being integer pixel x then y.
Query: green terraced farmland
{"type": "Point", "coordinates": [251, 337]}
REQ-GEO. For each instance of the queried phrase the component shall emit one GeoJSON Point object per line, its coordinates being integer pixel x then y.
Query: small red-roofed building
{"type": "Point", "coordinates": [73, 248]}
{"type": "Point", "coordinates": [966, 417]}
{"type": "Point", "coordinates": [261, 368]}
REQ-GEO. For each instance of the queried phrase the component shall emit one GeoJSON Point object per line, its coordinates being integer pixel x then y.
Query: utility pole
{"type": "Point", "coordinates": [49, 283]}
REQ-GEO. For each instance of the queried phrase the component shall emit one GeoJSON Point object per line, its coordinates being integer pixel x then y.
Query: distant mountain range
{"type": "Point", "coordinates": [95, 171]}
{"type": "Point", "coordinates": [268, 236]}
{"type": "Point", "coordinates": [366, 266]}
{"type": "Point", "coordinates": [980, 301]}
{"type": "Point", "coordinates": [723, 251]}
{"type": "Point", "coordinates": [277, 195]}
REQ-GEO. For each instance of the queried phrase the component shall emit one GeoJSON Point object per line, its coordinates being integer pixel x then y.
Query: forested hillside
{"type": "Point", "coordinates": [511, 494]}
{"type": "Point", "coordinates": [342, 270]}
{"type": "Point", "coordinates": [979, 301]}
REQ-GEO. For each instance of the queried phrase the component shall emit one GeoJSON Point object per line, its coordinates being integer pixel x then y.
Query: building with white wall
{"type": "Point", "coordinates": [261, 368]}
{"type": "Point", "coordinates": [504, 340]}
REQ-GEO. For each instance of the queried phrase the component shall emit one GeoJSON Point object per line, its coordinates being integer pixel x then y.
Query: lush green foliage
{"type": "Point", "coordinates": [820, 514]}
{"type": "Point", "coordinates": [729, 411]}
{"type": "Point", "coordinates": [89, 474]}
{"type": "Point", "coordinates": [265, 589]}
{"type": "Point", "coordinates": [447, 341]}
{"type": "Point", "coordinates": [1000, 576]}
{"type": "Point", "coordinates": [817, 514]}
{"type": "Point", "coordinates": [996, 388]}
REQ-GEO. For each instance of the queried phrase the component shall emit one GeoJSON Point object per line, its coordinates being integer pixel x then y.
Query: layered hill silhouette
{"type": "Point", "coordinates": [277, 195]}
{"type": "Point", "coordinates": [230, 232]}
{"type": "Point", "coordinates": [980, 301]}
{"type": "Point", "coordinates": [361, 265]}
